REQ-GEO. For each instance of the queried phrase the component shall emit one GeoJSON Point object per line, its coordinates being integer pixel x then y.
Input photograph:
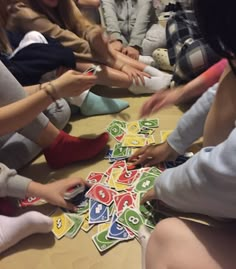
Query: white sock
{"type": "Point", "coordinates": [151, 85]}
{"type": "Point", "coordinates": [146, 59]}
{"type": "Point", "coordinates": [144, 236]}
{"type": "Point", "coordinates": [14, 229]}
{"type": "Point", "coordinates": [155, 72]}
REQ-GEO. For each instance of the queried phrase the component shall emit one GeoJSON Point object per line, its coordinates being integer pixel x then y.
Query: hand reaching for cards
{"type": "Point", "coordinates": [152, 155]}
{"type": "Point", "coordinates": [149, 196]}
{"type": "Point", "coordinates": [161, 99]}
{"type": "Point", "coordinates": [134, 74]}
{"type": "Point", "coordinates": [54, 192]}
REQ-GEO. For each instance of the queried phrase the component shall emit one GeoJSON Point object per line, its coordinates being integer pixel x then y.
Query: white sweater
{"type": "Point", "coordinates": [206, 183]}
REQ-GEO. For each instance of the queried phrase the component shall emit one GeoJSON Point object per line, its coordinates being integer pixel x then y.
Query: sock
{"type": "Point", "coordinates": [151, 85]}
{"type": "Point", "coordinates": [6, 207]}
{"type": "Point", "coordinates": [144, 236]}
{"type": "Point", "coordinates": [14, 229]}
{"type": "Point", "coordinates": [97, 105]}
{"type": "Point", "coordinates": [146, 59]}
{"type": "Point", "coordinates": [68, 149]}
{"type": "Point", "coordinates": [154, 72]}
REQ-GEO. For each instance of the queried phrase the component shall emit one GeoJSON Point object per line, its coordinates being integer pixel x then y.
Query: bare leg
{"type": "Point", "coordinates": [179, 244]}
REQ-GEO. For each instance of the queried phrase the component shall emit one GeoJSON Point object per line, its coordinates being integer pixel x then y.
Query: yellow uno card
{"type": "Point", "coordinates": [103, 226]}
{"type": "Point", "coordinates": [133, 127]}
{"type": "Point", "coordinates": [134, 141]}
{"type": "Point", "coordinates": [86, 227]}
{"type": "Point", "coordinates": [165, 134]}
{"type": "Point", "coordinates": [61, 223]}
{"type": "Point", "coordinates": [150, 140]}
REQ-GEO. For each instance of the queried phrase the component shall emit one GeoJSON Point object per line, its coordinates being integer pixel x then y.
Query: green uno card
{"type": "Point", "coordinates": [149, 123]}
{"type": "Point", "coordinates": [131, 219]}
{"type": "Point", "coordinates": [78, 220]}
{"type": "Point", "coordinates": [102, 243]}
{"type": "Point", "coordinates": [115, 130]}
{"type": "Point", "coordinates": [155, 171]}
{"type": "Point", "coordinates": [146, 182]}
{"type": "Point", "coordinates": [119, 151]}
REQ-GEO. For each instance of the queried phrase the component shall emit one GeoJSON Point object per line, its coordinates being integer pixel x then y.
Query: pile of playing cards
{"type": "Point", "coordinates": [130, 135]}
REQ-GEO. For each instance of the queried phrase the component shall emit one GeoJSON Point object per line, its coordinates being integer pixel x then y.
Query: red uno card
{"type": "Point", "coordinates": [123, 200]}
{"type": "Point", "coordinates": [94, 177]}
{"type": "Point", "coordinates": [117, 164]}
{"type": "Point", "coordinates": [31, 201]}
{"type": "Point", "coordinates": [128, 177]}
{"type": "Point", "coordinates": [101, 194]}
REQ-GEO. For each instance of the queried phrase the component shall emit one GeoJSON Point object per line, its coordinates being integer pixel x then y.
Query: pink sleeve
{"type": "Point", "coordinates": [212, 75]}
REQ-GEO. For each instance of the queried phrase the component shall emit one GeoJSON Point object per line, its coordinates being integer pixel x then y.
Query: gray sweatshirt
{"type": "Point", "coordinates": [12, 184]}
{"type": "Point", "coordinates": [128, 20]}
{"type": "Point", "coordinates": [206, 183]}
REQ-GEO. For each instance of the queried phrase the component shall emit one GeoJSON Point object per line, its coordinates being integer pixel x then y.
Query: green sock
{"type": "Point", "coordinates": [97, 105]}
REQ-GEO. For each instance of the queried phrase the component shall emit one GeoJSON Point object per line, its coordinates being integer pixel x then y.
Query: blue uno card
{"type": "Point", "coordinates": [98, 212]}
{"type": "Point", "coordinates": [116, 230]}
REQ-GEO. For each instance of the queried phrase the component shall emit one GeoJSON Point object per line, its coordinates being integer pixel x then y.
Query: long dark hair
{"type": "Point", "coordinates": [217, 21]}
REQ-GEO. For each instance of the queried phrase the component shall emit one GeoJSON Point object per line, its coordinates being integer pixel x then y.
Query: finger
{"type": "Point", "coordinates": [137, 82]}
{"type": "Point", "coordinates": [69, 206]}
{"type": "Point", "coordinates": [141, 78]}
{"type": "Point", "coordinates": [73, 182]}
{"type": "Point", "coordinates": [137, 153]}
{"type": "Point", "coordinates": [146, 75]}
{"type": "Point", "coordinates": [144, 199]}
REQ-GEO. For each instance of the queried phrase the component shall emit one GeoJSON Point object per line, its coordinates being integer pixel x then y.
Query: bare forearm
{"type": "Point", "coordinates": [31, 89]}
{"type": "Point", "coordinates": [16, 115]}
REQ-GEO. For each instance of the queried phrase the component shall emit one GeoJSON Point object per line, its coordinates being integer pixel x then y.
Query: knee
{"type": "Point", "coordinates": [166, 230]}
{"type": "Point", "coordinates": [59, 114]}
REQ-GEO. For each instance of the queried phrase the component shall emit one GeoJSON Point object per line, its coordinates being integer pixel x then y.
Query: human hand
{"type": "Point", "coordinates": [134, 74]}
{"type": "Point", "coordinates": [132, 52]}
{"type": "Point", "coordinates": [153, 155]}
{"type": "Point", "coordinates": [149, 196]}
{"type": "Point", "coordinates": [73, 83]}
{"type": "Point", "coordinates": [116, 45]}
{"type": "Point", "coordinates": [161, 99]}
{"type": "Point", "coordinates": [54, 192]}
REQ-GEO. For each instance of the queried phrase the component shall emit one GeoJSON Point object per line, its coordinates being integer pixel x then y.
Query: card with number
{"type": "Point", "coordinates": [97, 212]}
{"type": "Point", "coordinates": [134, 141]}
{"type": "Point", "coordinates": [149, 123]}
{"type": "Point", "coordinates": [61, 223]}
{"type": "Point", "coordinates": [122, 201]}
{"type": "Point", "coordinates": [78, 221]}
{"type": "Point", "coordinates": [145, 183]}
{"type": "Point", "coordinates": [95, 177]}
{"type": "Point", "coordinates": [101, 194]}
{"type": "Point", "coordinates": [128, 177]}
{"type": "Point", "coordinates": [102, 242]}
{"type": "Point", "coordinates": [117, 164]}
{"type": "Point", "coordinates": [119, 151]}
{"type": "Point", "coordinates": [131, 219]}
{"type": "Point", "coordinates": [117, 231]}
{"type": "Point", "coordinates": [31, 201]}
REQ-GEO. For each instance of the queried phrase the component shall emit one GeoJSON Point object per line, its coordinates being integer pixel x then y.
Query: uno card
{"type": "Point", "coordinates": [146, 182]}
{"type": "Point", "coordinates": [103, 226]}
{"type": "Point", "coordinates": [150, 140]}
{"type": "Point", "coordinates": [128, 177]}
{"type": "Point", "coordinates": [134, 141]}
{"type": "Point", "coordinates": [61, 223]}
{"type": "Point", "coordinates": [94, 177]}
{"type": "Point", "coordinates": [131, 219]}
{"type": "Point", "coordinates": [122, 201]}
{"type": "Point", "coordinates": [117, 164]}
{"type": "Point", "coordinates": [97, 212]}
{"type": "Point", "coordinates": [101, 194]}
{"type": "Point", "coordinates": [116, 130]}
{"type": "Point", "coordinates": [133, 127]}
{"type": "Point", "coordinates": [119, 151]}
{"type": "Point", "coordinates": [31, 201]}
{"type": "Point", "coordinates": [83, 207]}
{"type": "Point", "coordinates": [165, 134]}
{"type": "Point", "coordinates": [155, 171]}
{"type": "Point", "coordinates": [78, 221]}
{"type": "Point", "coordinates": [86, 227]}
{"type": "Point", "coordinates": [102, 242]}
{"type": "Point", "coordinates": [149, 123]}
{"type": "Point", "coordinates": [116, 230]}
{"type": "Point", "coordinates": [146, 131]}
